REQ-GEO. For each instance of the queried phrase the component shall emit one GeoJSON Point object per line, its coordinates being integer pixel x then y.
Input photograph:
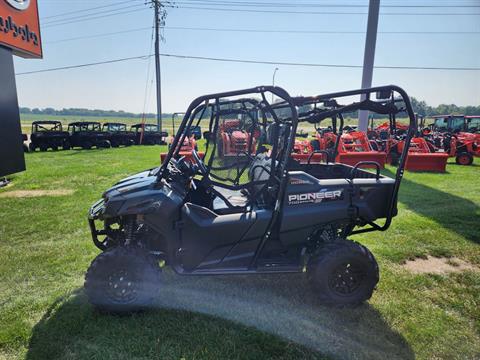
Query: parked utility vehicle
{"type": "Point", "coordinates": [118, 134]}
{"type": "Point", "coordinates": [264, 213]}
{"type": "Point", "coordinates": [87, 134]}
{"type": "Point", "coordinates": [48, 135]}
{"type": "Point", "coordinates": [148, 134]}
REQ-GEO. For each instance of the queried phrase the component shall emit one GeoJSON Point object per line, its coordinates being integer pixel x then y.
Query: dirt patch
{"type": "Point", "coordinates": [434, 265]}
{"type": "Point", "coordinates": [35, 193]}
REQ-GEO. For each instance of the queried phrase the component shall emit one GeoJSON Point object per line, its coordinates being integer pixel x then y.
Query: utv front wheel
{"type": "Point", "coordinates": [343, 273]}
{"type": "Point", "coordinates": [123, 279]}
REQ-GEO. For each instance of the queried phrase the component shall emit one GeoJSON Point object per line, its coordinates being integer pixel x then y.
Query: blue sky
{"type": "Point", "coordinates": [122, 85]}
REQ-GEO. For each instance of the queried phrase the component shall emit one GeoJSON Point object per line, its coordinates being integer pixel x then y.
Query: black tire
{"type": "Point", "coordinates": [66, 146]}
{"type": "Point", "coordinates": [315, 145]}
{"type": "Point", "coordinates": [43, 147]}
{"type": "Point", "coordinates": [25, 148]}
{"type": "Point", "coordinates": [123, 279]}
{"type": "Point", "coordinates": [54, 148]}
{"type": "Point", "coordinates": [464, 158]}
{"type": "Point", "coordinates": [87, 145]}
{"type": "Point", "coordinates": [32, 147]}
{"type": "Point", "coordinates": [343, 273]}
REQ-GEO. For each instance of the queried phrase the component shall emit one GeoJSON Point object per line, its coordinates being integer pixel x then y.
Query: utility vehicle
{"type": "Point", "coordinates": [265, 213]}
{"type": "Point", "coordinates": [48, 135]}
{"type": "Point", "coordinates": [87, 134]}
{"type": "Point", "coordinates": [118, 134]}
{"type": "Point", "coordinates": [148, 134]}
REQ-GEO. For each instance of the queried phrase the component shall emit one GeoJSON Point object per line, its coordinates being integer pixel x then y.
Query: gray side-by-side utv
{"type": "Point", "coordinates": [263, 213]}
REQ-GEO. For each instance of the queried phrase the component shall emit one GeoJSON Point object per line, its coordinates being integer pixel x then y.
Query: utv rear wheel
{"type": "Point", "coordinates": [464, 159]}
{"type": "Point", "coordinates": [343, 273]}
{"type": "Point", "coordinates": [123, 279]}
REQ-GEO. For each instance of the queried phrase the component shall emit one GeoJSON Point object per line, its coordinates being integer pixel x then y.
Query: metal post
{"type": "Point", "coordinates": [157, 64]}
{"type": "Point", "coordinates": [273, 79]}
{"type": "Point", "coordinates": [369, 57]}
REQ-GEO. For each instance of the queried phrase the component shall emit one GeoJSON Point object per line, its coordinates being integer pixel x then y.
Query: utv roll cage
{"type": "Point", "coordinates": [114, 127]}
{"type": "Point", "coordinates": [385, 104]}
{"type": "Point", "coordinates": [84, 126]}
{"type": "Point", "coordinates": [284, 117]}
{"type": "Point", "coordinates": [38, 126]}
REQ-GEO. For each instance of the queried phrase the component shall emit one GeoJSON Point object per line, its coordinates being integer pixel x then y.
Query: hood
{"type": "Point", "coordinates": [132, 183]}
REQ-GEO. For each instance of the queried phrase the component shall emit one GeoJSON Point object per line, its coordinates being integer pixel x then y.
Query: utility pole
{"type": "Point", "coordinates": [157, 63]}
{"type": "Point", "coordinates": [369, 57]}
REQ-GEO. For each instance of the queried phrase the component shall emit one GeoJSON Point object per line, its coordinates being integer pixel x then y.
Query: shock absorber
{"type": "Point", "coordinates": [130, 227]}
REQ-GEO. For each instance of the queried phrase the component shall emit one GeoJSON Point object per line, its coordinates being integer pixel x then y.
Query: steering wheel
{"type": "Point", "coordinates": [201, 165]}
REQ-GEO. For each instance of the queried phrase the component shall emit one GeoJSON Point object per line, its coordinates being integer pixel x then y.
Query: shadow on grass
{"type": "Point", "coordinates": [281, 305]}
{"type": "Point", "coordinates": [71, 328]}
{"type": "Point", "coordinates": [452, 212]}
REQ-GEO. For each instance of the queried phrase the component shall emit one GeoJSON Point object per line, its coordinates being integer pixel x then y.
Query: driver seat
{"type": "Point", "coordinates": [236, 198]}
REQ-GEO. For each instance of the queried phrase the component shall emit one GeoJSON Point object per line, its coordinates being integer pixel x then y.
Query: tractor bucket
{"type": "Point", "coordinates": [434, 162]}
{"type": "Point", "coordinates": [315, 158]}
{"type": "Point", "coordinates": [353, 158]}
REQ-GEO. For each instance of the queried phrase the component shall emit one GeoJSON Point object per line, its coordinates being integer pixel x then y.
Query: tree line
{"type": "Point", "coordinates": [86, 112]}
{"type": "Point", "coordinates": [420, 107]}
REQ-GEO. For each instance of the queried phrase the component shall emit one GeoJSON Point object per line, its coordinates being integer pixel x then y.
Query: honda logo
{"type": "Point", "coordinates": [19, 4]}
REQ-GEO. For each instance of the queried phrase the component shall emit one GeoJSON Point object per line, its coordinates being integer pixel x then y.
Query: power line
{"type": "Point", "coordinates": [311, 5]}
{"type": "Point", "coordinates": [297, 4]}
{"type": "Point", "coordinates": [269, 31]}
{"type": "Point", "coordinates": [95, 17]}
{"type": "Point", "coordinates": [314, 31]}
{"type": "Point", "coordinates": [245, 61]}
{"type": "Point", "coordinates": [318, 12]}
{"type": "Point", "coordinates": [142, 57]}
{"type": "Point", "coordinates": [97, 35]}
{"type": "Point", "coordinates": [86, 10]}
{"type": "Point", "coordinates": [86, 16]}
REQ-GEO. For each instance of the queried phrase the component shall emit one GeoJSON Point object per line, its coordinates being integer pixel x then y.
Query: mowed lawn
{"type": "Point", "coordinates": [45, 249]}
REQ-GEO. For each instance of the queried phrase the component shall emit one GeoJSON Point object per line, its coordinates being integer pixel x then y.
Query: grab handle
{"type": "Point", "coordinates": [327, 154]}
{"type": "Point", "coordinates": [355, 168]}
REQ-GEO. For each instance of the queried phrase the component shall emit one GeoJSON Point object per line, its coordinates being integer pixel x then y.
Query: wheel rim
{"type": "Point", "coordinates": [121, 287]}
{"type": "Point", "coordinates": [463, 159]}
{"type": "Point", "coordinates": [346, 279]}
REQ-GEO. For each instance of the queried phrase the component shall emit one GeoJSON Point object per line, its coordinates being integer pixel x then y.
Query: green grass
{"type": "Point", "coordinates": [45, 249]}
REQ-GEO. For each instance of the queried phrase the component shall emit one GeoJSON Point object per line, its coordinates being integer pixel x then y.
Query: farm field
{"type": "Point", "coordinates": [45, 249]}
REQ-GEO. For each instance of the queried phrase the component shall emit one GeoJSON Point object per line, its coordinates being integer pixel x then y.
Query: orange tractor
{"type": "Point", "coordinates": [349, 148]}
{"type": "Point", "coordinates": [463, 146]}
{"type": "Point", "coordinates": [421, 153]}
{"type": "Point", "coordinates": [234, 141]}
